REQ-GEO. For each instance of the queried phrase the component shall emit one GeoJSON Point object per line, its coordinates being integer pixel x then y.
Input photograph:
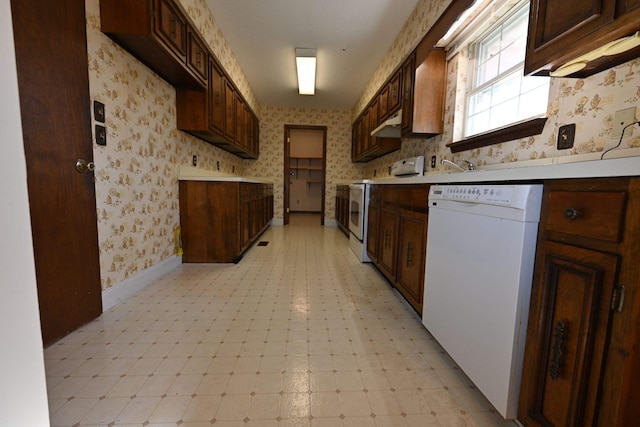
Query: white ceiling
{"type": "Point", "coordinates": [351, 38]}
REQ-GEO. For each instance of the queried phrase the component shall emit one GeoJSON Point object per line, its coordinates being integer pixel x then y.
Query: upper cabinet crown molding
{"type": "Point", "coordinates": [574, 34]}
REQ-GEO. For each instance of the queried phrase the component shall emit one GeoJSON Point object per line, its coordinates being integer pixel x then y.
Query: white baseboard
{"type": "Point", "coordinates": [123, 290]}
{"type": "Point", "coordinates": [276, 221]}
{"type": "Point", "coordinates": [330, 222]}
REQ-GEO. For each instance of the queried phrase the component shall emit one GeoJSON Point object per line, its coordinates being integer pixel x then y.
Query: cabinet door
{"type": "Point", "coordinates": [373, 230]}
{"type": "Point", "coordinates": [388, 241]}
{"type": "Point", "coordinates": [240, 128]}
{"type": "Point", "coordinates": [412, 247]}
{"type": "Point", "coordinates": [216, 98]}
{"type": "Point", "coordinates": [373, 123]}
{"type": "Point", "coordinates": [197, 57]}
{"type": "Point", "coordinates": [383, 103]}
{"type": "Point", "coordinates": [170, 27]}
{"type": "Point", "coordinates": [561, 31]}
{"type": "Point", "coordinates": [567, 336]}
{"type": "Point", "coordinates": [408, 78]}
{"type": "Point", "coordinates": [395, 92]}
{"type": "Point", "coordinates": [230, 107]}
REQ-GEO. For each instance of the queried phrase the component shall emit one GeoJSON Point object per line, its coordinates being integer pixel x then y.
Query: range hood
{"type": "Point", "coordinates": [390, 128]}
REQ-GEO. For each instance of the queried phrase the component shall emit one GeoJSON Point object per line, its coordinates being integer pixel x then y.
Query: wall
{"type": "Point", "coordinates": [23, 394]}
{"type": "Point", "coordinates": [589, 103]}
{"type": "Point", "coordinates": [271, 161]}
{"type": "Point", "coordinates": [136, 173]}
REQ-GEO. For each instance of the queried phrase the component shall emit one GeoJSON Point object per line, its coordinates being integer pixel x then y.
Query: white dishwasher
{"type": "Point", "coordinates": [480, 255]}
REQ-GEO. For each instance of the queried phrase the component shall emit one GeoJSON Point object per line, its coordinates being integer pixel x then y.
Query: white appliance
{"type": "Point", "coordinates": [390, 128]}
{"type": "Point", "coordinates": [480, 255]}
{"type": "Point", "coordinates": [358, 202]}
{"type": "Point", "coordinates": [408, 167]}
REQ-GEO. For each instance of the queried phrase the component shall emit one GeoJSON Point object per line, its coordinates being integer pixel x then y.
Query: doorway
{"type": "Point", "coordinates": [304, 170]}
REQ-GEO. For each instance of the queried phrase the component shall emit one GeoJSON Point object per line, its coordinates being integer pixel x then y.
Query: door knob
{"type": "Point", "coordinates": [83, 166]}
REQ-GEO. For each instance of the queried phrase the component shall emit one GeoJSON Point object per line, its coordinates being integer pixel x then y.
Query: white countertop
{"type": "Point", "coordinates": [190, 173]}
{"type": "Point", "coordinates": [588, 166]}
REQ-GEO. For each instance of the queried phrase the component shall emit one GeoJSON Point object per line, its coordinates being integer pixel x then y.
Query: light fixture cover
{"type": "Point", "coordinates": [306, 67]}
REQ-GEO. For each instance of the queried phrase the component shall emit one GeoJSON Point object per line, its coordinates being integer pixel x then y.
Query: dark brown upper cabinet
{"type": "Point", "coordinates": [424, 95]}
{"type": "Point", "coordinates": [156, 32]}
{"type": "Point", "coordinates": [560, 32]}
{"type": "Point", "coordinates": [208, 105]}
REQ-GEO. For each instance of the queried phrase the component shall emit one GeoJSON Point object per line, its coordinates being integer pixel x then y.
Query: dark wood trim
{"type": "Point", "coordinates": [509, 133]}
{"type": "Point", "coordinates": [287, 154]}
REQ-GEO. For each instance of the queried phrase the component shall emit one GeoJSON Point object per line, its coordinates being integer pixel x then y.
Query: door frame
{"type": "Point", "coordinates": [287, 152]}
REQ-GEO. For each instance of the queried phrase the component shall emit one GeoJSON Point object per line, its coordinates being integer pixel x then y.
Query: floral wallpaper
{"type": "Point", "coordinates": [338, 158]}
{"type": "Point", "coordinates": [590, 103]}
{"type": "Point", "coordinates": [137, 171]}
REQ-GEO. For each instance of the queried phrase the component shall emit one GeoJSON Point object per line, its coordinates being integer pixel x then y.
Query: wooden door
{"type": "Point", "coordinates": [388, 241]}
{"type": "Point", "coordinates": [567, 337]}
{"type": "Point", "coordinates": [412, 250]}
{"type": "Point", "coordinates": [51, 55]}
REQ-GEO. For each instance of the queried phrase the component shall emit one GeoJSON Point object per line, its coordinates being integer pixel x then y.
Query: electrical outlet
{"type": "Point", "coordinates": [433, 162]}
{"type": "Point", "coordinates": [566, 136]}
{"type": "Point", "coordinates": [233, 169]}
{"type": "Point", "coordinates": [620, 120]}
{"type": "Point", "coordinates": [218, 165]}
{"type": "Point", "coordinates": [374, 172]}
{"type": "Point", "coordinates": [389, 170]}
{"type": "Point", "coordinates": [194, 160]}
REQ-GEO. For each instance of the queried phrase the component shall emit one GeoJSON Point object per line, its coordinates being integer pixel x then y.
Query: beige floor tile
{"type": "Point", "coordinates": [298, 334]}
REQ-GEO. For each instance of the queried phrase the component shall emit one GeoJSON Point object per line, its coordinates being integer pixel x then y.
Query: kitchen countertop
{"type": "Point", "coordinates": [190, 173]}
{"type": "Point", "coordinates": [585, 166]}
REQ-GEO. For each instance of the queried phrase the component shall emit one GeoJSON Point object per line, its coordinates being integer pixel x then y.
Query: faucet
{"type": "Point", "coordinates": [470, 166]}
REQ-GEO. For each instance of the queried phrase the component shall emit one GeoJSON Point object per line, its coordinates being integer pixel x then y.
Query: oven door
{"type": "Point", "coordinates": [356, 209]}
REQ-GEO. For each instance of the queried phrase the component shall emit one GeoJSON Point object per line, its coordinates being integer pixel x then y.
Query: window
{"type": "Point", "coordinates": [499, 94]}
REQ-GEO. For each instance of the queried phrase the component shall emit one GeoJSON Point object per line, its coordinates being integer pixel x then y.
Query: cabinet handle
{"type": "Point", "coordinates": [557, 359]}
{"type": "Point", "coordinates": [198, 58]}
{"type": "Point", "coordinates": [617, 300]}
{"type": "Point", "coordinates": [173, 27]}
{"type": "Point", "coordinates": [571, 214]}
{"type": "Point", "coordinates": [409, 254]}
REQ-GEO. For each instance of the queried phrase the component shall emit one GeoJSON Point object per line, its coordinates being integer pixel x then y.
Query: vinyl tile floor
{"type": "Point", "coordinates": [298, 334]}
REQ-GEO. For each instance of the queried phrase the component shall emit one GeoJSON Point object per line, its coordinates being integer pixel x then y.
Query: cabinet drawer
{"type": "Point", "coordinates": [597, 215]}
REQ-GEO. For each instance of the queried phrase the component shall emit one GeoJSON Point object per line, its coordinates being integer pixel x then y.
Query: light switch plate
{"type": "Point", "coordinates": [620, 120]}
{"type": "Point", "coordinates": [101, 135]}
{"type": "Point", "coordinates": [98, 111]}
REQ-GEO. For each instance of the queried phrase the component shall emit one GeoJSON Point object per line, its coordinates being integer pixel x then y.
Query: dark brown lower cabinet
{"type": "Point", "coordinates": [397, 236]}
{"type": "Point", "coordinates": [388, 242]}
{"type": "Point", "coordinates": [373, 223]}
{"type": "Point", "coordinates": [412, 253]}
{"type": "Point", "coordinates": [220, 220]}
{"type": "Point", "coordinates": [342, 208]}
{"type": "Point", "coordinates": [582, 356]}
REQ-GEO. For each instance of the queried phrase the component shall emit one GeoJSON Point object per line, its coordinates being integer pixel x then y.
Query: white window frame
{"type": "Point", "coordinates": [478, 31]}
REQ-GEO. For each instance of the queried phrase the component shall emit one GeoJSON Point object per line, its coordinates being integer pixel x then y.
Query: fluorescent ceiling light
{"type": "Point", "coordinates": [306, 67]}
